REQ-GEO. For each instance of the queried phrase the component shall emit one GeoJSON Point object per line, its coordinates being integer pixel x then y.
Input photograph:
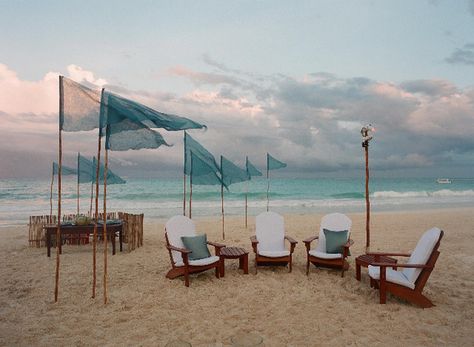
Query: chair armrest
{"type": "Point", "coordinates": [393, 254]}
{"type": "Point", "coordinates": [217, 247]}
{"type": "Point", "coordinates": [311, 239]}
{"type": "Point", "coordinates": [414, 266]}
{"type": "Point", "coordinates": [292, 242]}
{"type": "Point", "coordinates": [349, 243]}
{"type": "Point", "coordinates": [254, 241]}
{"type": "Point", "coordinates": [215, 244]}
{"type": "Point", "coordinates": [182, 250]}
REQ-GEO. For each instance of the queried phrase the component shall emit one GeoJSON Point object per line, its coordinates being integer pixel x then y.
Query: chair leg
{"type": "Point", "coordinates": [307, 267]}
{"type": "Point", "coordinates": [218, 270]}
{"type": "Point", "coordinates": [290, 263]}
{"type": "Point", "coordinates": [186, 277]}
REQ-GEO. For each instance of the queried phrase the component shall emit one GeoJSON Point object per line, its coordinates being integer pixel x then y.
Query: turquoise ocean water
{"type": "Point", "coordinates": [163, 198]}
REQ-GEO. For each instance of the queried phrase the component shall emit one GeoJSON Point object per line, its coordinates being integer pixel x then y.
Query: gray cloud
{"type": "Point", "coordinates": [311, 123]}
{"type": "Point", "coordinates": [462, 56]}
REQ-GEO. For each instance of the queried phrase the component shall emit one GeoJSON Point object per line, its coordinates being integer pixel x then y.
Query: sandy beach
{"type": "Point", "coordinates": [286, 309]}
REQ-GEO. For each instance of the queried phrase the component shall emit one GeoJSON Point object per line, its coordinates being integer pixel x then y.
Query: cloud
{"type": "Point", "coordinates": [312, 123]}
{"type": "Point", "coordinates": [462, 56]}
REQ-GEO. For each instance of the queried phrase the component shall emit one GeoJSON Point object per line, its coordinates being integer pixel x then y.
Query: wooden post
{"type": "Point", "coordinates": [92, 194]}
{"type": "Point", "coordinates": [191, 188]}
{"type": "Point", "coordinates": [268, 186]}
{"type": "Point", "coordinates": [367, 201]}
{"type": "Point", "coordinates": [58, 231]}
{"type": "Point", "coordinates": [246, 201]}
{"type": "Point", "coordinates": [51, 195]}
{"type": "Point", "coordinates": [222, 199]}
{"type": "Point", "coordinates": [184, 175]}
{"type": "Point", "coordinates": [105, 224]}
{"type": "Point", "coordinates": [78, 171]}
{"type": "Point", "coordinates": [94, 240]}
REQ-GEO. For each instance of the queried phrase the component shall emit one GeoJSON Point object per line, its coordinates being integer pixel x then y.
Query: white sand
{"type": "Point", "coordinates": [287, 309]}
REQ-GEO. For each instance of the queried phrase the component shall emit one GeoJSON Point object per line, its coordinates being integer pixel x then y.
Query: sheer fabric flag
{"type": "Point", "coordinates": [80, 106]}
{"type": "Point", "coordinates": [85, 169]}
{"type": "Point", "coordinates": [128, 135]}
{"type": "Point", "coordinates": [231, 173]}
{"type": "Point", "coordinates": [191, 145]}
{"type": "Point", "coordinates": [202, 173]}
{"type": "Point", "coordinates": [274, 164]}
{"type": "Point", "coordinates": [251, 169]}
{"type": "Point", "coordinates": [64, 170]}
{"type": "Point", "coordinates": [111, 177]}
{"type": "Point", "coordinates": [120, 108]}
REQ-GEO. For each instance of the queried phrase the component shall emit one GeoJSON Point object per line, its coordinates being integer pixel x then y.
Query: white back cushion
{"type": "Point", "coordinates": [270, 232]}
{"type": "Point", "coordinates": [422, 252]}
{"type": "Point", "coordinates": [333, 222]}
{"type": "Point", "coordinates": [176, 227]}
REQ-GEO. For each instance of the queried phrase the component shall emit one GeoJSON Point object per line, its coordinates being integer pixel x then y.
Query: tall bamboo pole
{"type": "Point", "coordinates": [58, 231]}
{"type": "Point", "coordinates": [94, 240]}
{"type": "Point", "coordinates": [105, 224]}
{"type": "Point", "coordinates": [191, 188]}
{"type": "Point", "coordinates": [268, 185]}
{"type": "Point", "coordinates": [184, 174]}
{"type": "Point", "coordinates": [51, 196]}
{"type": "Point", "coordinates": [78, 173]}
{"type": "Point", "coordinates": [222, 201]}
{"type": "Point", "coordinates": [246, 202]}
{"type": "Point", "coordinates": [367, 201]}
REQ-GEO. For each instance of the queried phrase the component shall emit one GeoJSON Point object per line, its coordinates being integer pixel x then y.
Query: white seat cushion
{"type": "Point", "coordinates": [324, 255]}
{"type": "Point", "coordinates": [201, 262]}
{"type": "Point", "coordinates": [391, 275]}
{"type": "Point", "coordinates": [422, 253]}
{"type": "Point", "coordinates": [274, 254]}
{"type": "Point", "coordinates": [270, 232]}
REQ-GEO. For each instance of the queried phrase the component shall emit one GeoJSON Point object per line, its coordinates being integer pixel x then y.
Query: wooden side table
{"type": "Point", "coordinates": [366, 260]}
{"type": "Point", "coordinates": [233, 253]}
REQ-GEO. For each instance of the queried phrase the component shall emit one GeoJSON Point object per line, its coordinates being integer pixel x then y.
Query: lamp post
{"type": "Point", "coordinates": [366, 137]}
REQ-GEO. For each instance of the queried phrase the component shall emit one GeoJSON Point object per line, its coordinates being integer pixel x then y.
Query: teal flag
{"type": "Point", "coordinates": [231, 173]}
{"type": "Point", "coordinates": [79, 106]}
{"type": "Point", "coordinates": [202, 173]}
{"type": "Point", "coordinates": [111, 177]}
{"type": "Point", "coordinates": [128, 135]}
{"type": "Point", "coordinates": [64, 170]}
{"type": "Point", "coordinates": [251, 169]}
{"type": "Point", "coordinates": [116, 109]}
{"type": "Point", "coordinates": [85, 169]}
{"type": "Point", "coordinates": [191, 145]}
{"type": "Point", "coordinates": [274, 164]}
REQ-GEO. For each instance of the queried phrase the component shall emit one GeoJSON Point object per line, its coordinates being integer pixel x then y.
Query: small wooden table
{"type": "Point", "coordinates": [233, 253]}
{"type": "Point", "coordinates": [366, 260]}
{"type": "Point", "coordinates": [112, 229]}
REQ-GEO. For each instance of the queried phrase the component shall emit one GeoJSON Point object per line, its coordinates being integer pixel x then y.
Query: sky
{"type": "Point", "coordinates": [297, 79]}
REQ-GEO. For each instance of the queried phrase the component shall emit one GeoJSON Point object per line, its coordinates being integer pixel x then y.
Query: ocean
{"type": "Point", "coordinates": [163, 198]}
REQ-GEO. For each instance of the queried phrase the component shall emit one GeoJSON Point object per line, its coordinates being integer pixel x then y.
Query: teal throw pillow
{"type": "Point", "coordinates": [335, 240]}
{"type": "Point", "coordinates": [197, 245]}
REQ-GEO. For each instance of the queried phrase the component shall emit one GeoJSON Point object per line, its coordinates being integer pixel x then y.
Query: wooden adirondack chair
{"type": "Point", "coordinates": [269, 241]}
{"type": "Point", "coordinates": [319, 256]}
{"type": "Point", "coordinates": [176, 227]}
{"type": "Point", "coordinates": [408, 283]}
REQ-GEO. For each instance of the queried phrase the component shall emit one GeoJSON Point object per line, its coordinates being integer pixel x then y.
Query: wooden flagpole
{"type": "Point", "coordinates": [94, 240]}
{"type": "Point", "coordinates": [246, 194]}
{"type": "Point", "coordinates": [92, 195]}
{"type": "Point", "coordinates": [268, 185]}
{"type": "Point", "coordinates": [191, 187]}
{"type": "Point", "coordinates": [105, 224]}
{"type": "Point", "coordinates": [222, 201]}
{"type": "Point", "coordinates": [58, 231]}
{"type": "Point", "coordinates": [51, 196]}
{"type": "Point", "coordinates": [78, 171]}
{"type": "Point", "coordinates": [184, 174]}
